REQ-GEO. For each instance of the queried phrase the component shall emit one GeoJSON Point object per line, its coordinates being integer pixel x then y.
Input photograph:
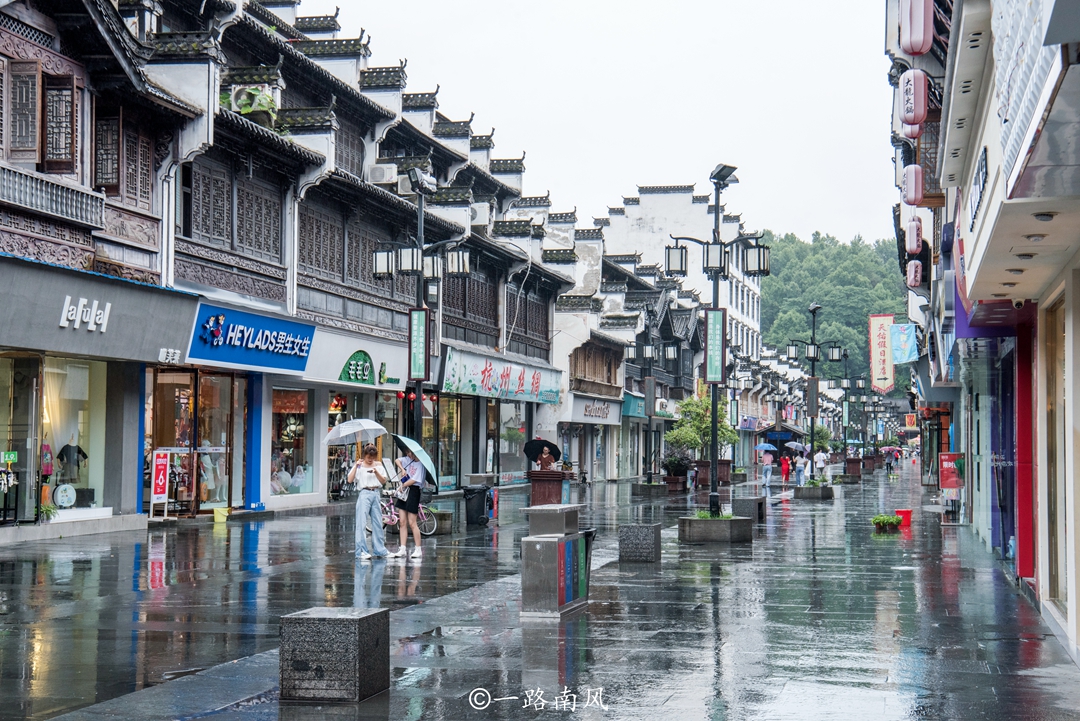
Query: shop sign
{"type": "Point", "coordinates": [715, 334]}
{"type": "Point", "coordinates": [92, 313]}
{"type": "Point", "coordinates": [238, 339]}
{"type": "Point", "coordinates": [633, 407]}
{"type": "Point", "coordinates": [359, 369]}
{"type": "Point", "coordinates": [9, 457]}
{"type": "Point", "coordinates": [511, 478]}
{"type": "Point", "coordinates": [909, 421]}
{"type": "Point", "coordinates": [494, 377]}
{"type": "Point", "coordinates": [748, 423]}
{"type": "Point", "coordinates": [949, 474]}
{"type": "Point", "coordinates": [881, 360]}
{"type": "Point", "coordinates": [160, 491]}
{"type": "Point", "coordinates": [597, 410]}
{"type": "Point", "coordinates": [418, 343]}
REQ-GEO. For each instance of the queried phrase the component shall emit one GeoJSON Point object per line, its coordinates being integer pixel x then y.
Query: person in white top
{"type": "Point", "coordinates": [369, 477]}
{"type": "Point", "coordinates": [800, 468]}
{"type": "Point", "coordinates": [819, 463]}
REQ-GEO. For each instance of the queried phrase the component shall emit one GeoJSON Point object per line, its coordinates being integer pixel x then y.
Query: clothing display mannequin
{"type": "Point", "coordinates": [71, 458]}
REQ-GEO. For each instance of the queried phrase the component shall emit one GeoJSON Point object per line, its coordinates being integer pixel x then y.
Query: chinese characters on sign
{"type": "Point", "coordinates": [881, 356]}
{"type": "Point", "coordinates": [418, 355]}
{"type": "Point", "coordinates": [493, 377]}
{"type": "Point", "coordinates": [160, 491]}
{"type": "Point", "coordinates": [715, 329]}
{"type": "Point", "coordinates": [238, 339]}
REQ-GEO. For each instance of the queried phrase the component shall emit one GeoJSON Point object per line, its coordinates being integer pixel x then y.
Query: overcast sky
{"type": "Point", "coordinates": [605, 96]}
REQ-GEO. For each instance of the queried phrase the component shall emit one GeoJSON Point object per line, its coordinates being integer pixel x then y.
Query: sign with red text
{"type": "Point", "coordinates": [881, 356]}
{"type": "Point", "coordinates": [949, 474]}
{"type": "Point", "coordinates": [160, 489]}
{"type": "Point", "coordinates": [495, 376]}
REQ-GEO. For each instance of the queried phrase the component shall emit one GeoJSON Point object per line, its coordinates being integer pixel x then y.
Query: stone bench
{"type": "Point", "coordinates": [753, 507]}
{"type": "Point", "coordinates": [639, 542]}
{"type": "Point", "coordinates": [649, 490]}
{"type": "Point", "coordinates": [445, 521]}
{"type": "Point", "coordinates": [335, 654]}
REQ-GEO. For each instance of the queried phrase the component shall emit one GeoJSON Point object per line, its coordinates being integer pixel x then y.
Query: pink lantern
{"type": "Point", "coordinates": [914, 273]}
{"type": "Point", "coordinates": [916, 26]}
{"type": "Point", "coordinates": [913, 184]}
{"type": "Point", "coordinates": [912, 131]}
{"type": "Point", "coordinates": [913, 94]}
{"type": "Point", "coordinates": [913, 236]}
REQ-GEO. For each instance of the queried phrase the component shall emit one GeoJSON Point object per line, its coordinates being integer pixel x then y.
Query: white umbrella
{"type": "Point", "coordinates": [358, 430]}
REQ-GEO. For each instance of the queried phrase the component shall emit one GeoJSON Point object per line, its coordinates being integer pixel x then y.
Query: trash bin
{"type": "Point", "coordinates": [590, 538]}
{"type": "Point", "coordinates": [493, 504]}
{"type": "Point", "coordinates": [904, 513]}
{"type": "Point", "coordinates": [475, 505]}
{"type": "Point", "coordinates": [221, 515]}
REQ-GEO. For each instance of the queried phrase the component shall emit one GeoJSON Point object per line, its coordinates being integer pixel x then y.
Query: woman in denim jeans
{"type": "Point", "coordinates": [369, 476]}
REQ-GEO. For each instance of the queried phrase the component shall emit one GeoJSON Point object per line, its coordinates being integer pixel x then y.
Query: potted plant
{"type": "Point", "coordinates": [886, 523]}
{"type": "Point", "coordinates": [693, 431]}
{"type": "Point", "coordinates": [255, 102]}
{"type": "Point", "coordinates": [816, 489]}
{"type": "Point", "coordinates": [677, 464]}
{"type": "Point", "coordinates": [48, 512]}
{"type": "Point", "coordinates": [702, 527]}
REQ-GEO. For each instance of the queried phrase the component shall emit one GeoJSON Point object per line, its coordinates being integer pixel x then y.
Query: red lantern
{"type": "Point", "coordinates": [423, 397]}
{"type": "Point", "coordinates": [913, 184]}
{"type": "Point", "coordinates": [434, 398]}
{"type": "Point", "coordinates": [401, 394]}
{"type": "Point", "coordinates": [412, 396]}
{"type": "Point", "coordinates": [914, 273]}
{"type": "Point", "coordinates": [913, 94]}
{"type": "Point", "coordinates": [916, 26]}
{"type": "Point", "coordinates": [912, 131]}
{"type": "Point", "coordinates": [913, 236]}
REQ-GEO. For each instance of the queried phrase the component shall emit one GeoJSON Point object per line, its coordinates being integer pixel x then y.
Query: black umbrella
{"type": "Point", "coordinates": [533, 449]}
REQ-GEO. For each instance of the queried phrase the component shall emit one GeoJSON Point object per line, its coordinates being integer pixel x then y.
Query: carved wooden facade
{"type": "Point", "coordinates": [470, 306]}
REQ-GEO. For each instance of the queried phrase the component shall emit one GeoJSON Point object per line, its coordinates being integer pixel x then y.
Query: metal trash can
{"type": "Point", "coordinates": [475, 505]}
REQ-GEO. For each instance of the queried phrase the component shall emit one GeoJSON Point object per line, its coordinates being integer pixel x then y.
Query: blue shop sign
{"type": "Point", "coordinates": [236, 339]}
{"type": "Point", "coordinates": [633, 407]}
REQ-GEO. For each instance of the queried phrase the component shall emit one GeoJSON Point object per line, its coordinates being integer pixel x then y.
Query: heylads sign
{"type": "Point", "coordinates": [239, 339]}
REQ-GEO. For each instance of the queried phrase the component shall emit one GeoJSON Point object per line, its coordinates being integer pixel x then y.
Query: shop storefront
{"type": "Point", "coordinates": [632, 435]}
{"type": "Point", "coordinates": [355, 377]}
{"type": "Point", "coordinates": [74, 349]}
{"type": "Point", "coordinates": [592, 438]}
{"type": "Point", "coordinates": [485, 412]}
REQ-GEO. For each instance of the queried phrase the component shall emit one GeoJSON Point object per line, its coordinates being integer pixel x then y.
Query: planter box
{"type": "Point", "coordinates": [649, 490]}
{"type": "Point", "coordinates": [753, 507]}
{"type": "Point", "coordinates": [675, 484]}
{"type": "Point", "coordinates": [810, 493]}
{"type": "Point", "coordinates": [738, 476]}
{"type": "Point", "coordinates": [867, 465]}
{"type": "Point", "coordinates": [639, 542]}
{"type": "Point", "coordinates": [716, 530]}
{"type": "Point", "coordinates": [723, 472]}
{"type": "Point", "coordinates": [846, 478]}
{"type": "Point", "coordinates": [853, 466]}
{"type": "Point", "coordinates": [445, 523]}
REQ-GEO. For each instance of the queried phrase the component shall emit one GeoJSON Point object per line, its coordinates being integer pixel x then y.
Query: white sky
{"type": "Point", "coordinates": [608, 95]}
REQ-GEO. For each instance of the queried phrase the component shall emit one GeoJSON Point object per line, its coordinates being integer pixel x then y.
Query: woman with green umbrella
{"type": "Point", "coordinates": [413, 475]}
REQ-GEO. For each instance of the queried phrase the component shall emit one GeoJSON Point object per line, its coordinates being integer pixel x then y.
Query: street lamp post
{"type": "Point", "coordinates": [716, 266]}
{"type": "Point", "coordinates": [649, 351]}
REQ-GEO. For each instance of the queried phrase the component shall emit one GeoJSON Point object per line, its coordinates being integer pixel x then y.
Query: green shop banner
{"type": "Point", "coordinates": [496, 377]}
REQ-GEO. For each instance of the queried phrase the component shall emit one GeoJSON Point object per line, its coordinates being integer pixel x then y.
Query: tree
{"type": "Point", "coordinates": [822, 436]}
{"type": "Point", "coordinates": [693, 431]}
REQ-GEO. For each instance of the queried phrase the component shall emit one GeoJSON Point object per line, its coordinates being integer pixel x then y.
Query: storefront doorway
{"type": "Point", "coordinates": [199, 419]}
{"type": "Point", "coordinates": [20, 377]}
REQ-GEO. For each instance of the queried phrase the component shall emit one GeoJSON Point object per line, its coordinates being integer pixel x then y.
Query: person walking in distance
{"type": "Point", "coordinates": [819, 463]}
{"type": "Point", "coordinates": [800, 468]}
{"type": "Point", "coordinates": [413, 475]}
{"type": "Point", "coordinates": [766, 467]}
{"type": "Point", "coordinates": [368, 475]}
{"type": "Point", "coordinates": [785, 469]}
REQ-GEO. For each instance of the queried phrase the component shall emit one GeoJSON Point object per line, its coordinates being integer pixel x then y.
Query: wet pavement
{"type": "Point", "coordinates": [818, 618]}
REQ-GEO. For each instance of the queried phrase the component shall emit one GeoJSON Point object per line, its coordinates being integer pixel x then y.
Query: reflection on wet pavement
{"type": "Point", "coordinates": [819, 618]}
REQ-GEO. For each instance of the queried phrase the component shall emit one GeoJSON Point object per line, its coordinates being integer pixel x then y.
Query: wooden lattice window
{"type": "Point", "coordinates": [138, 168]}
{"type": "Point", "coordinates": [23, 107]}
{"type": "Point", "coordinates": [258, 219]}
{"type": "Point", "coordinates": [211, 203]}
{"type": "Point", "coordinates": [349, 152]}
{"type": "Point", "coordinates": [59, 148]}
{"type": "Point", "coordinates": [361, 242]}
{"type": "Point", "coordinates": [107, 153]}
{"type": "Point", "coordinates": [321, 242]}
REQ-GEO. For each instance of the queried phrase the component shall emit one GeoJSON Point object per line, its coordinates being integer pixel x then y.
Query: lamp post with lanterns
{"type": "Point", "coordinates": [715, 263]}
{"type": "Point", "coordinates": [428, 264]}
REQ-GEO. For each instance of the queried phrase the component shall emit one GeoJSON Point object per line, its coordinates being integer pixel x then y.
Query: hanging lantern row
{"type": "Point", "coordinates": [412, 396]}
{"type": "Point", "coordinates": [914, 92]}
{"type": "Point", "coordinates": [411, 261]}
{"type": "Point", "coordinates": [916, 26]}
{"type": "Point", "coordinates": [913, 184]}
{"type": "Point", "coordinates": [913, 236]}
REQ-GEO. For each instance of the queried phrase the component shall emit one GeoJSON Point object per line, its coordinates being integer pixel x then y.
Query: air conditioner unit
{"type": "Point", "coordinates": [382, 173]}
{"type": "Point", "coordinates": [481, 213]}
{"type": "Point", "coordinates": [239, 91]}
{"type": "Point", "coordinates": [404, 187]}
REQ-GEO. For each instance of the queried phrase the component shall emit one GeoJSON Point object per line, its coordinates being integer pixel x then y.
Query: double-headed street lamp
{"type": "Point", "coordinates": [428, 266]}
{"type": "Point", "coordinates": [717, 266]}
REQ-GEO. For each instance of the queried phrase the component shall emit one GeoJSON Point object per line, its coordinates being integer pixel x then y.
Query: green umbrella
{"type": "Point", "coordinates": [421, 455]}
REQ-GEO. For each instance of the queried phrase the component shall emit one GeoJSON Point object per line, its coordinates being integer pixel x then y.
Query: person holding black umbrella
{"type": "Point", "coordinates": [545, 460]}
{"type": "Point", "coordinates": [408, 502]}
{"type": "Point", "coordinates": [543, 453]}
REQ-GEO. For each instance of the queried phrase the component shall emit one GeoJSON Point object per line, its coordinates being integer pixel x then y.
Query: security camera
{"type": "Point", "coordinates": [1018, 303]}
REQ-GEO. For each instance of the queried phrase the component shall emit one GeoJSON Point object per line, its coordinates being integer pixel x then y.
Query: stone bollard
{"type": "Point", "coordinates": [639, 542]}
{"type": "Point", "coordinates": [335, 654]}
{"type": "Point", "coordinates": [752, 507]}
{"type": "Point", "coordinates": [445, 523]}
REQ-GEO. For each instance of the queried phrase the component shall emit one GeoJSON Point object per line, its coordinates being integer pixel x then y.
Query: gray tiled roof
{"type": "Point", "coordinates": [579, 303]}
{"type": "Point", "coordinates": [507, 165]}
{"type": "Point", "coordinates": [296, 118]}
{"type": "Point", "coordinates": [193, 44]}
{"type": "Point", "coordinates": [391, 77]}
{"type": "Point", "coordinates": [631, 201]}
{"type": "Point", "coordinates": [512, 228]}
{"type": "Point", "coordinates": [601, 222]}
{"type": "Point", "coordinates": [318, 23]}
{"type": "Point", "coordinates": [588, 234]}
{"type": "Point", "coordinates": [452, 196]}
{"type": "Point", "coordinates": [559, 255]}
{"type": "Point", "coordinates": [482, 142]}
{"type": "Point", "coordinates": [570, 217]}
{"type": "Point", "coordinates": [701, 199]}
{"type": "Point", "coordinates": [420, 100]}
{"type": "Point", "coordinates": [616, 211]}
{"type": "Point", "coordinates": [662, 189]}
{"type": "Point", "coordinates": [534, 201]}
{"type": "Point", "coordinates": [251, 74]}
{"type": "Point", "coordinates": [345, 47]}
{"type": "Point", "coordinates": [452, 128]}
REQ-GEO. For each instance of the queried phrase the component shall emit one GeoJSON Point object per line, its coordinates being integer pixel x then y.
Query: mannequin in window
{"type": "Point", "coordinates": [71, 458]}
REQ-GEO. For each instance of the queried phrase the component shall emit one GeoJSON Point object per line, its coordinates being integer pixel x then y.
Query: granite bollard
{"type": "Point", "coordinates": [335, 654]}
{"type": "Point", "coordinates": [639, 542]}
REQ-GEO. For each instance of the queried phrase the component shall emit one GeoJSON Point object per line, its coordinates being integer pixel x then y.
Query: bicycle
{"type": "Point", "coordinates": [425, 518]}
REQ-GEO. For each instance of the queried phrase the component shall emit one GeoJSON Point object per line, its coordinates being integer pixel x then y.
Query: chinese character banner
{"type": "Point", "coordinates": [881, 353]}
{"type": "Point", "coordinates": [493, 377]}
{"type": "Point", "coordinates": [905, 344]}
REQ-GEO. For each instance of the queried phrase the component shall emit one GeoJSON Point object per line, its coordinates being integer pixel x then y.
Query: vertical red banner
{"type": "Point", "coordinates": [948, 474]}
{"type": "Point", "coordinates": [160, 492]}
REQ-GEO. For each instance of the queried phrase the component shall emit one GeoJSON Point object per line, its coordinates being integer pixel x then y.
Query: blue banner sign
{"type": "Point", "coordinates": [237, 339]}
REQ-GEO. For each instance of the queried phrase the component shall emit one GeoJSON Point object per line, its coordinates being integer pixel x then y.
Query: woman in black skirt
{"type": "Point", "coordinates": [413, 475]}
